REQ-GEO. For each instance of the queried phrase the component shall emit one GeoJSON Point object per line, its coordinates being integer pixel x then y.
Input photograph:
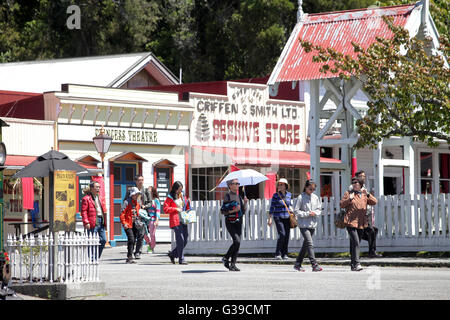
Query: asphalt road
{"type": "Point", "coordinates": [155, 278]}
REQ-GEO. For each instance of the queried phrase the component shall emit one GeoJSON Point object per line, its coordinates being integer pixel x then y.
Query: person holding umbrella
{"type": "Point", "coordinates": [279, 212]}
{"type": "Point", "coordinates": [233, 208]}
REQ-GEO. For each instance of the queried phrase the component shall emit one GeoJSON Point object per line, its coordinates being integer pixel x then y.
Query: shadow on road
{"type": "Point", "coordinates": [202, 271]}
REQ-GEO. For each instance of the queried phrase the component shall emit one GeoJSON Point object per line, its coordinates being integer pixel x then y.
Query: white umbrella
{"type": "Point", "coordinates": [245, 177]}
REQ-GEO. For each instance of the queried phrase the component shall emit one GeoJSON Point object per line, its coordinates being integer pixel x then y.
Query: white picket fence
{"type": "Point", "coordinates": [414, 223]}
{"type": "Point", "coordinates": [75, 257]}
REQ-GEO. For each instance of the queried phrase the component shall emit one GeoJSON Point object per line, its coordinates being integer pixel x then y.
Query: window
{"type": "Point", "coordinates": [426, 172]}
{"type": "Point", "coordinates": [204, 180]}
{"type": "Point", "coordinates": [444, 172]}
{"type": "Point", "coordinates": [435, 172]}
{"type": "Point", "coordinates": [293, 177]}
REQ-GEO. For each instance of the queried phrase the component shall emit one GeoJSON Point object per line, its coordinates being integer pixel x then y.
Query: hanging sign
{"type": "Point", "coordinates": [64, 201]}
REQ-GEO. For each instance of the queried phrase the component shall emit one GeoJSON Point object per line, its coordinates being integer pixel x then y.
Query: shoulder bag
{"type": "Point", "coordinates": [292, 218]}
{"type": "Point", "coordinates": [339, 219]}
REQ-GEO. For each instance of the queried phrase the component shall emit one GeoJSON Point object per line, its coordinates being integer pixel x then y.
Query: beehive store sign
{"type": "Point", "coordinates": [248, 119]}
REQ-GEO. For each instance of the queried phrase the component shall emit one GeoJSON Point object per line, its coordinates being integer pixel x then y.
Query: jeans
{"type": "Point", "coordinates": [307, 234]}
{"type": "Point", "coordinates": [235, 231]}
{"type": "Point", "coordinates": [135, 236]}
{"type": "Point", "coordinates": [181, 237]}
{"type": "Point", "coordinates": [370, 234]}
{"type": "Point", "coordinates": [100, 230]}
{"type": "Point", "coordinates": [284, 228]}
{"type": "Point", "coordinates": [355, 236]}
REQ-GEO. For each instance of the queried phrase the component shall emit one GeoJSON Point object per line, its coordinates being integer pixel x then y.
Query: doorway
{"type": "Point", "coordinates": [123, 179]}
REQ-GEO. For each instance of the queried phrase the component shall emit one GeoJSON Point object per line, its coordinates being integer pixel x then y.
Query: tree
{"type": "Point", "coordinates": [406, 82]}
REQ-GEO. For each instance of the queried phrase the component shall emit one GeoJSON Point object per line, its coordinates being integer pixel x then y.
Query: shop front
{"type": "Point", "coordinates": [150, 137]}
{"type": "Point", "coordinates": [248, 129]}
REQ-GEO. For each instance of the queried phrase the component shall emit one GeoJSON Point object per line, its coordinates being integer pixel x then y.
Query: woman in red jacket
{"type": "Point", "coordinates": [175, 203]}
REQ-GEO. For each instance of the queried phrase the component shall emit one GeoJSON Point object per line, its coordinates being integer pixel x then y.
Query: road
{"type": "Point", "coordinates": [155, 278]}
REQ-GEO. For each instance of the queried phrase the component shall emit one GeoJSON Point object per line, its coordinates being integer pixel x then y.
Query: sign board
{"type": "Point", "coordinates": [64, 201]}
{"type": "Point", "coordinates": [247, 118]}
{"type": "Point", "coordinates": [124, 135]}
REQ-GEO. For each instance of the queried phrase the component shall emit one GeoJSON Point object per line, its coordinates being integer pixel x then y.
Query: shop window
{"type": "Point", "coordinates": [444, 173]}
{"type": "Point", "coordinates": [293, 177]}
{"type": "Point", "coordinates": [426, 172]}
{"type": "Point", "coordinates": [204, 180]}
{"type": "Point", "coordinates": [326, 182]}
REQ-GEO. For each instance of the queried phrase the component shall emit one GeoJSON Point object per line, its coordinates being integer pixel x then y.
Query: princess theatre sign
{"type": "Point", "coordinates": [247, 118]}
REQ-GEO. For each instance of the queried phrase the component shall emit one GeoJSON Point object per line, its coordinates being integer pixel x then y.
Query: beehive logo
{"type": "Point", "coordinates": [202, 132]}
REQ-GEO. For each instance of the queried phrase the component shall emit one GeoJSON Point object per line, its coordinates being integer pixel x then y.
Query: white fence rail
{"type": "Point", "coordinates": [75, 257]}
{"type": "Point", "coordinates": [414, 223]}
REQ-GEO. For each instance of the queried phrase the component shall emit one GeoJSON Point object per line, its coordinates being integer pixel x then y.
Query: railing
{"type": "Point", "coordinates": [75, 257]}
{"type": "Point", "coordinates": [414, 223]}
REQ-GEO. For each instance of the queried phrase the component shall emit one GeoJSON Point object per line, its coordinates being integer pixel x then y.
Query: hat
{"type": "Point", "coordinates": [283, 180]}
{"type": "Point", "coordinates": [133, 191]}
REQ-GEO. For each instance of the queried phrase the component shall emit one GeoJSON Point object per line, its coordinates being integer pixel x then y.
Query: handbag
{"type": "Point", "coordinates": [339, 220]}
{"type": "Point", "coordinates": [292, 218]}
{"type": "Point", "coordinates": [188, 216]}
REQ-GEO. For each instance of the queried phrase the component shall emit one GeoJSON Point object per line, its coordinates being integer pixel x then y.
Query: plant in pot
{"type": "Point", "coordinates": [5, 275]}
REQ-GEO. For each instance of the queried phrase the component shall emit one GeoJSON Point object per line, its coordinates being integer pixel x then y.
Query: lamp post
{"type": "Point", "coordinates": [102, 143]}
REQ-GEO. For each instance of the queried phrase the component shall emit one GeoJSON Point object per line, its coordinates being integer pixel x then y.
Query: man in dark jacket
{"type": "Point", "coordinates": [93, 213]}
{"type": "Point", "coordinates": [145, 198]}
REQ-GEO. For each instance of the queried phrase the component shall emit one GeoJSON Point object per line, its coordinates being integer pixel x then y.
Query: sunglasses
{"type": "Point", "coordinates": [311, 189]}
{"type": "Point", "coordinates": [236, 183]}
{"type": "Point", "coordinates": [355, 182]}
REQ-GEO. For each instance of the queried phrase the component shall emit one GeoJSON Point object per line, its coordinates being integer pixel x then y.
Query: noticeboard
{"type": "Point", "coordinates": [64, 201]}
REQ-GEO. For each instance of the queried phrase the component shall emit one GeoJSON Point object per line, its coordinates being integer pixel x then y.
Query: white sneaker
{"type": "Point", "coordinates": [278, 257]}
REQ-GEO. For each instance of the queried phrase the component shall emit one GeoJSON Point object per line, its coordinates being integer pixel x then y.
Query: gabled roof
{"type": "Point", "coordinates": [337, 30]}
{"type": "Point", "coordinates": [107, 71]}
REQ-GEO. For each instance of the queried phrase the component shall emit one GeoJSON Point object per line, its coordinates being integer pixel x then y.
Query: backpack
{"type": "Point", "coordinates": [229, 205]}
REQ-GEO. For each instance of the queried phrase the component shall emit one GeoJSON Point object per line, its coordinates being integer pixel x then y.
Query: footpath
{"type": "Point", "coordinates": [112, 255]}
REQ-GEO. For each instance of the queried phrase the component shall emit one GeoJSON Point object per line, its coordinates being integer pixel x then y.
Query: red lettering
{"type": "Point", "coordinates": [268, 133]}
{"type": "Point", "coordinates": [296, 134]}
{"type": "Point", "coordinates": [282, 136]}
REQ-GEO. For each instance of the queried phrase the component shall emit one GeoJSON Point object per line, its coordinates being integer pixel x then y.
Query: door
{"type": "Point", "coordinates": [123, 179]}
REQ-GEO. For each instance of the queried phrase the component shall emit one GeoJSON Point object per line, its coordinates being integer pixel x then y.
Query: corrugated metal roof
{"type": "Point", "coordinates": [107, 71]}
{"type": "Point", "coordinates": [337, 30]}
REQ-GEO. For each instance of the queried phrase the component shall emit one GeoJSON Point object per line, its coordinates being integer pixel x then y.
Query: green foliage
{"type": "Point", "coordinates": [439, 10]}
{"type": "Point", "coordinates": [407, 84]}
{"type": "Point", "coordinates": [209, 39]}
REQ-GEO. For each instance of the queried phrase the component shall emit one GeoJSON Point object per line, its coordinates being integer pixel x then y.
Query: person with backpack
{"type": "Point", "coordinates": [307, 209]}
{"type": "Point", "coordinates": [279, 210]}
{"type": "Point", "coordinates": [175, 203]}
{"type": "Point", "coordinates": [233, 208]}
{"type": "Point", "coordinates": [132, 224]}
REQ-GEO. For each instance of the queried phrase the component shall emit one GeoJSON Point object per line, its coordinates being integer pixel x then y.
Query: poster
{"type": "Point", "coordinates": [64, 201]}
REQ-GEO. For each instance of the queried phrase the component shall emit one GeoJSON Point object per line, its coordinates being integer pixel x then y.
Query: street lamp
{"type": "Point", "coordinates": [102, 143]}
